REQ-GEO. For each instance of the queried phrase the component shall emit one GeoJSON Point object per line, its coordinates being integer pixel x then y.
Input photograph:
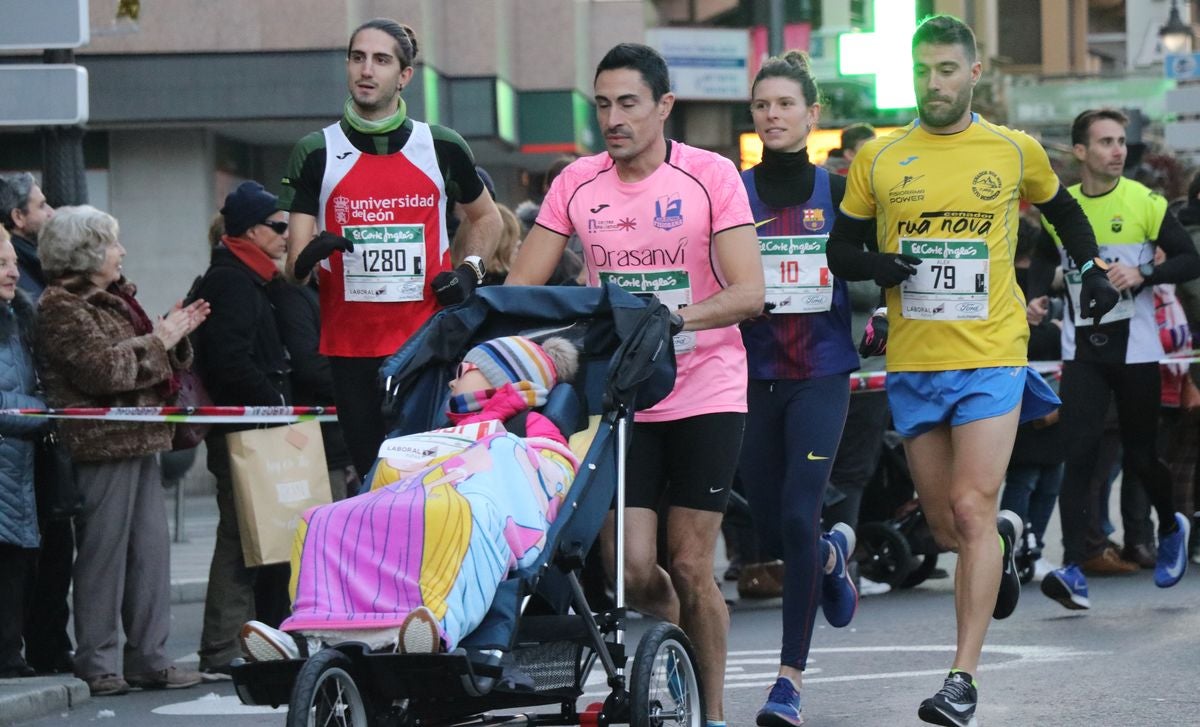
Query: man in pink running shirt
{"type": "Point", "coordinates": [659, 217]}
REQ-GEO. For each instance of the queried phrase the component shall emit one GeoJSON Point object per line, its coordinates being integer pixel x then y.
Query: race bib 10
{"type": "Point", "coordinates": [796, 273]}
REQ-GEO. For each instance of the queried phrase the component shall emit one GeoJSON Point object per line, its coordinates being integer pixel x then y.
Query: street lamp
{"type": "Point", "coordinates": [1176, 35]}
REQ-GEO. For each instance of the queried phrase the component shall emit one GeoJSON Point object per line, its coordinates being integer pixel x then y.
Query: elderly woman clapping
{"type": "Point", "coordinates": [98, 348]}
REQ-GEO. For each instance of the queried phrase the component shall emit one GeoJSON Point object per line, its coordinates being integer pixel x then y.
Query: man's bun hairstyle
{"type": "Point", "coordinates": [404, 35]}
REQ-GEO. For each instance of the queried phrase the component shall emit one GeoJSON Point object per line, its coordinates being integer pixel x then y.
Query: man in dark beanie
{"type": "Point", "coordinates": [248, 205]}
{"type": "Point", "coordinates": [242, 361]}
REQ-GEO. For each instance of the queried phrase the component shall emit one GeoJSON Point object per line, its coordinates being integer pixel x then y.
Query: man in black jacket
{"type": "Point", "coordinates": [23, 211]}
{"type": "Point", "coordinates": [242, 361]}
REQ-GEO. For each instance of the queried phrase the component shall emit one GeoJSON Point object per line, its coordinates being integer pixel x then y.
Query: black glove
{"type": "Point", "coordinates": [452, 287]}
{"type": "Point", "coordinates": [891, 268]}
{"type": "Point", "coordinates": [875, 335]}
{"type": "Point", "coordinates": [317, 249]}
{"type": "Point", "coordinates": [1097, 296]}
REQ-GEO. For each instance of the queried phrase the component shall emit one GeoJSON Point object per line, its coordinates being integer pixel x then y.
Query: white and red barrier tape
{"type": "Point", "coordinates": [196, 415]}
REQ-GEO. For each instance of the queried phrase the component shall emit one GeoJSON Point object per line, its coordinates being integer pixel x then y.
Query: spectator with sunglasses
{"type": "Point", "coordinates": [242, 360]}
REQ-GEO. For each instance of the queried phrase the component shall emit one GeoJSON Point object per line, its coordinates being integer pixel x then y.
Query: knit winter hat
{"type": "Point", "coordinates": [514, 359]}
{"type": "Point", "coordinates": [247, 206]}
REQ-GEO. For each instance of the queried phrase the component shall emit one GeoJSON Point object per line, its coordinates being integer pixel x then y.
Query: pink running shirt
{"type": "Point", "coordinates": [655, 236]}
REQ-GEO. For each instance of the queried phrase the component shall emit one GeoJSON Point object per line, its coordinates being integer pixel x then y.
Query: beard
{"type": "Point", "coordinates": [946, 115]}
{"type": "Point", "coordinates": [384, 101]}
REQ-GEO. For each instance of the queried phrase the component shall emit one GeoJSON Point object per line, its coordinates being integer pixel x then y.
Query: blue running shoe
{"type": "Point", "coordinates": [839, 597]}
{"type": "Point", "coordinates": [1067, 586]}
{"type": "Point", "coordinates": [783, 706]}
{"type": "Point", "coordinates": [1173, 553]}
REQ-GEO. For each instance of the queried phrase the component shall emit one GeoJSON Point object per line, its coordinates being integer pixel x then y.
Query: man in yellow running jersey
{"type": "Point", "coordinates": [941, 195]}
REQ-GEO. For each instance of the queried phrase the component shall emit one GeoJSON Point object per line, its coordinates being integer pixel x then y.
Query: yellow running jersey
{"type": "Point", "coordinates": [952, 200]}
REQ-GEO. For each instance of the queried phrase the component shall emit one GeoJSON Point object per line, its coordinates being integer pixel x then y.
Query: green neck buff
{"type": "Point", "coordinates": [383, 126]}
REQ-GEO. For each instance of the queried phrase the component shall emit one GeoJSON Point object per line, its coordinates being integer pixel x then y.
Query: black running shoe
{"type": "Point", "coordinates": [1010, 527]}
{"type": "Point", "coordinates": [954, 704]}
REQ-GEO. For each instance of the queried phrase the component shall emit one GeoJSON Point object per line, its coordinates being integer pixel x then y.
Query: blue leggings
{"type": "Point", "coordinates": [792, 434]}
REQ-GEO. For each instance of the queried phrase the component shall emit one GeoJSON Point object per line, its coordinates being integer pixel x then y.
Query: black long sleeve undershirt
{"type": "Point", "coordinates": [1183, 262]}
{"type": "Point", "coordinates": [845, 252]}
{"type": "Point", "coordinates": [1063, 211]}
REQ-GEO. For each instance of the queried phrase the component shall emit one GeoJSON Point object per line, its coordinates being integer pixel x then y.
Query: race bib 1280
{"type": "Point", "coordinates": [951, 283]}
{"type": "Point", "coordinates": [387, 265]}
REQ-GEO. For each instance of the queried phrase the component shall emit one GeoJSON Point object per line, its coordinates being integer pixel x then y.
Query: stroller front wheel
{"type": "Point", "coordinates": [665, 684]}
{"type": "Point", "coordinates": [883, 554]}
{"type": "Point", "coordinates": [325, 693]}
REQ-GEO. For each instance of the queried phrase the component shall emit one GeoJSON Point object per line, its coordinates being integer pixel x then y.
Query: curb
{"type": "Point", "coordinates": [188, 591]}
{"type": "Point", "coordinates": [34, 697]}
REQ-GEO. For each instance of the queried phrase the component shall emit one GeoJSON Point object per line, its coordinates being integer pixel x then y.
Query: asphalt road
{"type": "Point", "coordinates": [1134, 659]}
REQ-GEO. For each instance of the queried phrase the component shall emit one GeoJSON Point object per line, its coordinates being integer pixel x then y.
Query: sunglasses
{"type": "Point", "coordinates": [279, 226]}
{"type": "Point", "coordinates": [463, 369]}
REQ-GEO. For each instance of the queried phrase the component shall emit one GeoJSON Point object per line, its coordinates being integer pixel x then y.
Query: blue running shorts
{"type": "Point", "coordinates": [921, 400]}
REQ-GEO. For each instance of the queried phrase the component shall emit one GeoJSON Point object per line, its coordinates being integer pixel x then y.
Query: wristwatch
{"type": "Point", "coordinates": [476, 264]}
{"type": "Point", "coordinates": [1146, 270]}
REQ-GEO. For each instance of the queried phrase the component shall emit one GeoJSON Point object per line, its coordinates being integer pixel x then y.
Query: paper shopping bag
{"type": "Point", "coordinates": [278, 473]}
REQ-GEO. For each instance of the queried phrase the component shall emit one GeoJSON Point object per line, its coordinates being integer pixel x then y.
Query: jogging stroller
{"type": "Point", "coordinates": [895, 544]}
{"type": "Point", "coordinates": [540, 639]}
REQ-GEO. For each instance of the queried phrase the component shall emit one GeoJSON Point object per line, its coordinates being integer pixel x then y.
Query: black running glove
{"type": "Point", "coordinates": [452, 287]}
{"type": "Point", "coordinates": [875, 335]}
{"type": "Point", "coordinates": [319, 248]}
{"type": "Point", "coordinates": [891, 269]}
{"type": "Point", "coordinates": [1097, 296]}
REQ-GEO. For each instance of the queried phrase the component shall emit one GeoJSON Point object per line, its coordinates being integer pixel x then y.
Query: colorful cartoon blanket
{"type": "Point", "coordinates": [443, 537]}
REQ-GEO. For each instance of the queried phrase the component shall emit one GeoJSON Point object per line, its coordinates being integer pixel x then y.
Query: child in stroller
{"type": "Point", "coordinates": [468, 517]}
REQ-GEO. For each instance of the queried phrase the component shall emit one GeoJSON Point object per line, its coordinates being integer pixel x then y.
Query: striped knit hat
{"type": "Point", "coordinates": [516, 359]}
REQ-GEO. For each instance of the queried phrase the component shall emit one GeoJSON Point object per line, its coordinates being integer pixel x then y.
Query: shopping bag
{"type": "Point", "coordinates": [277, 473]}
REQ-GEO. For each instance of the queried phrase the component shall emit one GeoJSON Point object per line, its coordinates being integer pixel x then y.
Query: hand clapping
{"type": "Point", "coordinates": [181, 321]}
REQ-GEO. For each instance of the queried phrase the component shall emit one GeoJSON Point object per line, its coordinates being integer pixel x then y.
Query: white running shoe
{"type": "Point", "coordinates": [868, 587]}
{"type": "Point", "coordinates": [260, 642]}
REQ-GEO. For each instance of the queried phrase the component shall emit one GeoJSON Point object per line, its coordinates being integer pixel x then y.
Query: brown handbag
{"type": "Point", "coordinates": [191, 394]}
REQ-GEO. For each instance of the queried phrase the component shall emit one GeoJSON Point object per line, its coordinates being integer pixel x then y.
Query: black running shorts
{"type": "Point", "coordinates": [684, 463]}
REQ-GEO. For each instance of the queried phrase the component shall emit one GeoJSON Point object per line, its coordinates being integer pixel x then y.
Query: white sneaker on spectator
{"type": "Point", "coordinates": [868, 587]}
{"type": "Point", "coordinates": [1041, 568]}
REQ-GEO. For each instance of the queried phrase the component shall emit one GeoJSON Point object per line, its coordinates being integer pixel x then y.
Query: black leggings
{"type": "Point", "coordinates": [1085, 392]}
{"type": "Point", "coordinates": [359, 399]}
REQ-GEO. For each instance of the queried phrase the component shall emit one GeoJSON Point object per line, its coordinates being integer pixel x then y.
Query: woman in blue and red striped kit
{"type": "Point", "coordinates": [800, 358]}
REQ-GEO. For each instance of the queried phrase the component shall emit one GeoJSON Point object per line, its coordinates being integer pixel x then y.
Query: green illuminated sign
{"type": "Point", "coordinates": [884, 53]}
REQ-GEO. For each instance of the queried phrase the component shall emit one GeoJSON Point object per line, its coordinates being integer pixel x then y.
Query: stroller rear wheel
{"type": "Point", "coordinates": [665, 684]}
{"type": "Point", "coordinates": [884, 555]}
{"type": "Point", "coordinates": [325, 694]}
